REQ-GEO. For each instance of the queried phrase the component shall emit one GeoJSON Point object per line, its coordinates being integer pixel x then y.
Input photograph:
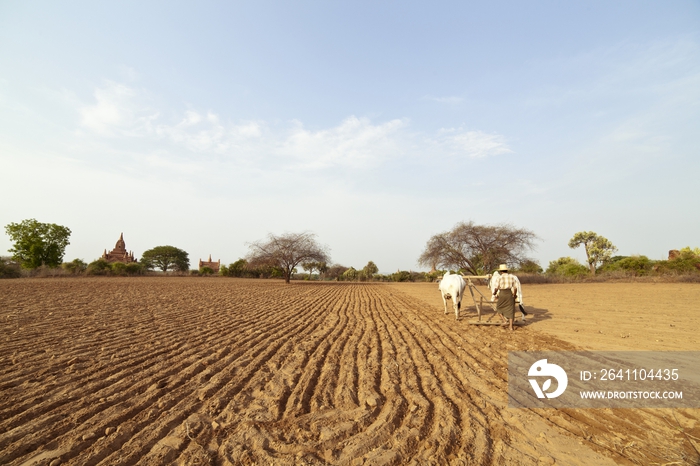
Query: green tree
{"type": "Point", "coordinates": [309, 267]}
{"type": "Point", "coordinates": [166, 258]}
{"type": "Point", "coordinates": [37, 244]}
{"type": "Point", "coordinates": [566, 266]}
{"type": "Point", "coordinates": [322, 268]}
{"type": "Point", "coordinates": [350, 274]}
{"type": "Point", "coordinates": [478, 249]}
{"type": "Point", "coordinates": [529, 266]}
{"type": "Point", "coordinates": [401, 276]}
{"type": "Point", "coordinates": [370, 269]}
{"type": "Point", "coordinates": [99, 267]}
{"type": "Point", "coordinates": [688, 261]}
{"type": "Point", "coordinates": [76, 266]}
{"type": "Point", "coordinates": [638, 265]}
{"type": "Point", "coordinates": [118, 268]}
{"type": "Point", "coordinates": [238, 268]}
{"type": "Point", "coordinates": [598, 249]}
{"type": "Point", "coordinates": [690, 252]}
{"type": "Point", "coordinates": [134, 268]}
{"type": "Point", "coordinates": [284, 252]}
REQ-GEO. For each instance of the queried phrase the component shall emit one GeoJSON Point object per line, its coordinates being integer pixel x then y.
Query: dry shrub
{"type": "Point", "coordinates": [45, 272]}
{"type": "Point", "coordinates": [9, 268]}
{"type": "Point", "coordinates": [619, 276]}
{"type": "Point", "coordinates": [531, 279]}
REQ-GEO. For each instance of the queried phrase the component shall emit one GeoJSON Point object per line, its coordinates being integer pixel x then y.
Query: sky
{"type": "Point", "coordinates": [374, 125]}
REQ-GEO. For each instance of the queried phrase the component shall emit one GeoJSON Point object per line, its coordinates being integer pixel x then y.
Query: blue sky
{"type": "Point", "coordinates": [375, 125]}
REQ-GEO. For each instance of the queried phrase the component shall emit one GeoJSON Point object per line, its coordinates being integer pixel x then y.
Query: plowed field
{"type": "Point", "coordinates": [225, 371]}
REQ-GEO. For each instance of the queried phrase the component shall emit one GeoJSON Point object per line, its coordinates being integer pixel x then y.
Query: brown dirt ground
{"type": "Point", "coordinates": [221, 371]}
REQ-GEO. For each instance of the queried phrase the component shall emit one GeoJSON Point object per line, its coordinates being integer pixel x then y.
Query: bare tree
{"type": "Point", "coordinates": [335, 271]}
{"type": "Point", "coordinates": [478, 249]}
{"type": "Point", "coordinates": [286, 251]}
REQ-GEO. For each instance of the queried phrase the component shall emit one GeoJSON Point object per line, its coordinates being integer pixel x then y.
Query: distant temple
{"type": "Point", "coordinates": [212, 265]}
{"type": "Point", "coordinates": [119, 254]}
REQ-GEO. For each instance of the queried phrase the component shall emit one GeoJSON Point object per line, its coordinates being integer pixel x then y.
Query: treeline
{"type": "Point", "coordinates": [469, 248]}
{"type": "Point", "coordinates": [38, 250]}
{"type": "Point", "coordinates": [12, 269]}
{"type": "Point", "coordinates": [478, 249]}
{"type": "Point", "coordinates": [686, 262]}
{"type": "Point", "coordinates": [242, 268]}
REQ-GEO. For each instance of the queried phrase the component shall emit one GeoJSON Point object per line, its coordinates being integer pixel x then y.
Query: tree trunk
{"type": "Point", "coordinates": [591, 264]}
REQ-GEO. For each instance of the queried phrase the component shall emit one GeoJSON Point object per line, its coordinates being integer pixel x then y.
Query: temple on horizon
{"type": "Point", "coordinates": [119, 253]}
{"type": "Point", "coordinates": [212, 265]}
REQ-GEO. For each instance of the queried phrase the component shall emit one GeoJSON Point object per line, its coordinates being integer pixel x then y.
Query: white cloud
{"type": "Point", "coordinates": [246, 130]}
{"type": "Point", "coordinates": [112, 109]}
{"type": "Point", "coordinates": [471, 143]}
{"type": "Point", "coordinates": [355, 143]}
{"type": "Point", "coordinates": [116, 112]}
{"type": "Point", "coordinates": [194, 132]}
{"type": "Point", "coordinates": [191, 118]}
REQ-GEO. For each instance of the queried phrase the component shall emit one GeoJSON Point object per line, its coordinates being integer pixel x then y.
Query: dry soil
{"type": "Point", "coordinates": [123, 371]}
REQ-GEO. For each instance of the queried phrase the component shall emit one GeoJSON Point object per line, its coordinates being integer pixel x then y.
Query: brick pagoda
{"type": "Point", "coordinates": [212, 265]}
{"type": "Point", "coordinates": [119, 253]}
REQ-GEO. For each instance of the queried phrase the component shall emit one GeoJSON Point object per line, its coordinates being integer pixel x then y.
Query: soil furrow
{"type": "Point", "coordinates": [149, 438]}
{"type": "Point", "coordinates": [170, 370]}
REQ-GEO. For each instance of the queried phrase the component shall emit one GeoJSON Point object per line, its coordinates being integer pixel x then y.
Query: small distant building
{"type": "Point", "coordinates": [212, 265]}
{"type": "Point", "coordinates": [119, 253]}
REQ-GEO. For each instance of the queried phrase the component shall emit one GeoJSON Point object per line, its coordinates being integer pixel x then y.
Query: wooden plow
{"type": "Point", "coordinates": [484, 301]}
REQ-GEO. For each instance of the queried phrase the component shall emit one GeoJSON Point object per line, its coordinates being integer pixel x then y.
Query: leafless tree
{"type": "Point", "coordinates": [286, 251]}
{"type": "Point", "coordinates": [335, 271]}
{"type": "Point", "coordinates": [478, 249]}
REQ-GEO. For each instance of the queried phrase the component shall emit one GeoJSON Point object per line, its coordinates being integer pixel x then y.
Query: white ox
{"type": "Point", "coordinates": [452, 287]}
{"type": "Point", "coordinates": [493, 284]}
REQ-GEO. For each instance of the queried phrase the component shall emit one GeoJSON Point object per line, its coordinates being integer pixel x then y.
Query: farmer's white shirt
{"type": "Point", "coordinates": [506, 281]}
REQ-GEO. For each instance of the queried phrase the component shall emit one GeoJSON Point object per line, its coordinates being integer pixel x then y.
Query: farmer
{"type": "Point", "coordinates": [505, 290]}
